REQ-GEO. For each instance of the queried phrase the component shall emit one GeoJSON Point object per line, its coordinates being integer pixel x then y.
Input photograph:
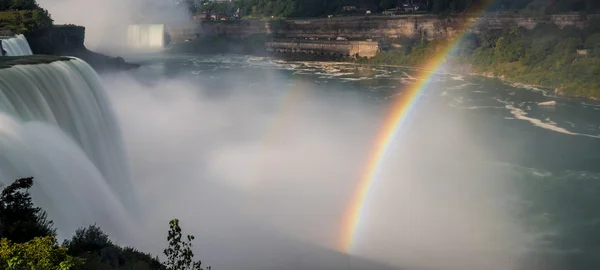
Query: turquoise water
{"type": "Point", "coordinates": [482, 133]}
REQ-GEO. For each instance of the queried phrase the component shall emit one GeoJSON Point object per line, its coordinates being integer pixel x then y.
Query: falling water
{"type": "Point", "coordinates": [56, 124]}
{"type": "Point", "coordinates": [16, 46]}
{"type": "Point", "coordinates": [146, 36]}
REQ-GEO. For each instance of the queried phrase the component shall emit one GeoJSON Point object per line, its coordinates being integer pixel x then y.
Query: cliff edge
{"type": "Point", "coordinates": [68, 40]}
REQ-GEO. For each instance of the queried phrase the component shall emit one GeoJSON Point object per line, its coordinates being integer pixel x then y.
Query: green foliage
{"type": "Point", "coordinates": [22, 4]}
{"type": "Point", "coordinates": [99, 252]}
{"type": "Point", "coordinates": [90, 239]}
{"type": "Point", "coordinates": [25, 21]}
{"type": "Point", "coordinates": [544, 56]}
{"type": "Point", "coordinates": [39, 253]}
{"type": "Point", "coordinates": [179, 253]}
{"type": "Point", "coordinates": [23, 17]}
{"type": "Point", "coordinates": [20, 220]}
{"type": "Point", "coordinates": [28, 242]}
{"type": "Point", "coordinates": [322, 8]}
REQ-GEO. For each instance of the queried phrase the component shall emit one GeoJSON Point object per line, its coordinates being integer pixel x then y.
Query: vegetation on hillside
{"type": "Point", "coordinates": [23, 17]}
{"type": "Point", "coordinates": [28, 241]}
{"type": "Point", "coordinates": [564, 59]}
{"type": "Point", "coordinates": [321, 8]}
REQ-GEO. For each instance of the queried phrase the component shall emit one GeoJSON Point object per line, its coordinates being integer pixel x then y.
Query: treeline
{"type": "Point", "coordinates": [321, 8]}
{"type": "Point", "coordinates": [564, 59]}
{"type": "Point", "coordinates": [28, 241]}
{"type": "Point", "coordinates": [23, 17]}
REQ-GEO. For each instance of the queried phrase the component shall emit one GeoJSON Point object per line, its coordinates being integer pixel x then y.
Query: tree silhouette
{"type": "Point", "coordinates": [179, 253]}
{"type": "Point", "coordinates": [20, 220]}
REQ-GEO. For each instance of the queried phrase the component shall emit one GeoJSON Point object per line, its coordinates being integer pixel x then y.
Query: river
{"type": "Point", "coordinates": [478, 173]}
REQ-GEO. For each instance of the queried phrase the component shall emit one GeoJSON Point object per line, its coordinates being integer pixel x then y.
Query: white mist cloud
{"type": "Point", "coordinates": [246, 175]}
{"type": "Point", "coordinates": [106, 21]}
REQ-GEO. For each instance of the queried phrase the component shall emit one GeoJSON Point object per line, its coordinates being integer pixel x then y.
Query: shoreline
{"type": "Point", "coordinates": [549, 91]}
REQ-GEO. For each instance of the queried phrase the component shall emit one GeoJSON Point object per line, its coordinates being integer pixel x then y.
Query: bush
{"type": "Point", "coordinates": [39, 253]}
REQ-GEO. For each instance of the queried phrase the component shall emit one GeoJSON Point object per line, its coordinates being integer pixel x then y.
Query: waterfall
{"type": "Point", "coordinates": [146, 36]}
{"type": "Point", "coordinates": [57, 125]}
{"type": "Point", "coordinates": [16, 46]}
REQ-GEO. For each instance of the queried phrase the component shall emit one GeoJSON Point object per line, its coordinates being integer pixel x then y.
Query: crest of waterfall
{"type": "Point", "coordinates": [57, 125]}
{"type": "Point", "coordinates": [146, 36]}
{"type": "Point", "coordinates": [16, 46]}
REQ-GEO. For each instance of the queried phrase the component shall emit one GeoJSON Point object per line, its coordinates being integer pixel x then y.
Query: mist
{"type": "Point", "coordinates": [106, 21]}
{"type": "Point", "coordinates": [262, 175]}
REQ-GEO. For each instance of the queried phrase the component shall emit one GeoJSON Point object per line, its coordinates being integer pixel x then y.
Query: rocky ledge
{"type": "Point", "coordinates": [9, 61]}
{"type": "Point", "coordinates": [68, 40]}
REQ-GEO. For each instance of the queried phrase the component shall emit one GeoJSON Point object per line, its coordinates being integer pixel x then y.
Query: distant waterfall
{"type": "Point", "coordinates": [146, 36]}
{"type": "Point", "coordinates": [57, 125]}
{"type": "Point", "coordinates": [16, 46]}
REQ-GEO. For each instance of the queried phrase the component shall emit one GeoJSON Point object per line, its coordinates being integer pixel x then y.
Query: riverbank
{"type": "Point", "coordinates": [566, 60]}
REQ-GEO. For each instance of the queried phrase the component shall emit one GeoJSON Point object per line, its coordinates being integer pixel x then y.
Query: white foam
{"type": "Point", "coordinates": [528, 87]}
{"type": "Point", "coordinates": [458, 78]}
{"type": "Point", "coordinates": [522, 115]}
{"type": "Point", "coordinates": [480, 107]}
{"type": "Point", "coordinates": [408, 76]}
{"type": "Point", "coordinates": [394, 95]}
{"type": "Point", "coordinates": [460, 86]}
{"type": "Point", "coordinates": [459, 100]}
{"type": "Point", "coordinates": [354, 79]}
{"type": "Point", "coordinates": [588, 104]}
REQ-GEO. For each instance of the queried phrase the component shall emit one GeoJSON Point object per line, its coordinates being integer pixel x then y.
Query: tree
{"type": "Point", "coordinates": [179, 253]}
{"type": "Point", "coordinates": [20, 220]}
{"type": "Point", "coordinates": [90, 239]}
{"type": "Point", "coordinates": [387, 4]}
{"type": "Point", "coordinates": [23, 4]}
{"type": "Point", "coordinates": [99, 252]}
{"type": "Point", "coordinates": [39, 253]}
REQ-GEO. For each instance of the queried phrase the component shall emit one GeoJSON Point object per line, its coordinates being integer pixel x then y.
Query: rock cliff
{"type": "Point", "coordinates": [68, 40]}
{"type": "Point", "coordinates": [375, 27]}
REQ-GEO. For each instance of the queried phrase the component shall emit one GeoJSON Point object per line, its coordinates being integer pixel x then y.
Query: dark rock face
{"type": "Point", "coordinates": [58, 39]}
{"type": "Point", "coordinates": [68, 40]}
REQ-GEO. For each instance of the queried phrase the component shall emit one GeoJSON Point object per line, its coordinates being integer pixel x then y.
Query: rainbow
{"type": "Point", "coordinates": [392, 124]}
